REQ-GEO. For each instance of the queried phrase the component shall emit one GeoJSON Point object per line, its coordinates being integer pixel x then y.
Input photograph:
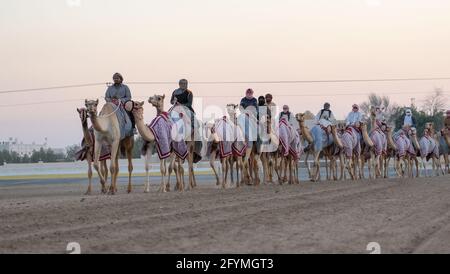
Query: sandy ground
{"type": "Point", "coordinates": [402, 215]}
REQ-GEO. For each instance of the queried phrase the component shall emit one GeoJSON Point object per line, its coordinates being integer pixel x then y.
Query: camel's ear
{"type": "Point", "coordinates": [86, 101]}
{"type": "Point", "coordinates": [141, 104]}
{"type": "Point", "coordinates": [164, 96]}
{"type": "Point", "coordinates": [96, 102]}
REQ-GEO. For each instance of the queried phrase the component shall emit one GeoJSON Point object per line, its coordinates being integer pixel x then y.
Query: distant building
{"type": "Point", "coordinates": [13, 145]}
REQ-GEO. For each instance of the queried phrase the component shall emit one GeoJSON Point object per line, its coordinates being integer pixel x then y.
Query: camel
{"type": "Point", "coordinates": [352, 149]}
{"type": "Point", "coordinates": [179, 112]}
{"type": "Point", "coordinates": [429, 148]}
{"type": "Point", "coordinates": [405, 148]}
{"type": "Point", "coordinates": [250, 167]}
{"type": "Point", "coordinates": [237, 157]}
{"type": "Point", "coordinates": [167, 165]}
{"type": "Point", "coordinates": [379, 140]}
{"type": "Point", "coordinates": [413, 158]}
{"type": "Point", "coordinates": [444, 148]}
{"type": "Point", "coordinates": [335, 152]}
{"type": "Point", "coordinates": [390, 151]}
{"type": "Point", "coordinates": [367, 152]}
{"type": "Point", "coordinates": [319, 139]}
{"type": "Point", "coordinates": [216, 142]}
{"type": "Point", "coordinates": [289, 152]}
{"type": "Point", "coordinates": [89, 143]}
{"type": "Point", "coordinates": [106, 129]}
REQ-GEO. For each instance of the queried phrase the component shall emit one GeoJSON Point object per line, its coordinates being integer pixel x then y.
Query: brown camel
{"type": "Point", "coordinates": [215, 143]}
{"type": "Point", "coordinates": [89, 143]}
{"type": "Point", "coordinates": [235, 159]}
{"type": "Point", "coordinates": [391, 150]}
{"type": "Point", "coordinates": [106, 129]}
{"type": "Point", "coordinates": [166, 165]}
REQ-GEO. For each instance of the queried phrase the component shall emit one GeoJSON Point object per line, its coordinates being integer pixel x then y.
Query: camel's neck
{"type": "Point", "coordinates": [336, 139]}
{"type": "Point", "coordinates": [373, 122]}
{"type": "Point", "coordinates": [98, 124]}
{"type": "Point", "coordinates": [159, 110]}
{"type": "Point", "coordinates": [305, 132]}
{"type": "Point", "coordinates": [415, 141]}
{"type": "Point", "coordinates": [390, 140]}
{"type": "Point", "coordinates": [143, 129]}
{"type": "Point", "coordinates": [366, 137]}
{"type": "Point", "coordinates": [87, 136]}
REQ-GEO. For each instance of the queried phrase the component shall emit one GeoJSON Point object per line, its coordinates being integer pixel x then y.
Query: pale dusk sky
{"type": "Point", "coordinates": [58, 42]}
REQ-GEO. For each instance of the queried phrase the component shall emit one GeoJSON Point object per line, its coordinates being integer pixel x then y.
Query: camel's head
{"type": "Point", "coordinates": [362, 125]}
{"type": "Point", "coordinates": [232, 109]}
{"type": "Point", "coordinates": [429, 127]}
{"type": "Point", "coordinates": [83, 113]}
{"type": "Point", "coordinates": [138, 110]}
{"type": "Point", "coordinates": [373, 111]}
{"type": "Point", "coordinates": [157, 100]}
{"type": "Point", "coordinates": [413, 131]}
{"type": "Point", "coordinates": [91, 106]}
{"type": "Point", "coordinates": [341, 127]}
{"type": "Point", "coordinates": [300, 117]}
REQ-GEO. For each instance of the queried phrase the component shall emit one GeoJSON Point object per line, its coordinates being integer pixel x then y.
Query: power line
{"type": "Point", "coordinates": [231, 82]}
{"type": "Point", "coordinates": [301, 81]}
{"type": "Point", "coordinates": [51, 88]}
{"type": "Point", "coordinates": [229, 96]}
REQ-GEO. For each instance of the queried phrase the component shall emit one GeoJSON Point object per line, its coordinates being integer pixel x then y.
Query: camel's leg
{"type": "Point", "coordinates": [104, 170]}
{"type": "Point", "coordinates": [265, 166]}
{"type": "Point", "coordinates": [192, 183]}
{"type": "Point", "coordinates": [291, 170]}
{"type": "Point", "coordinates": [360, 162]}
{"type": "Point", "coordinates": [341, 166]}
{"type": "Point", "coordinates": [256, 168]}
{"type": "Point", "coordinates": [239, 167]}
{"type": "Point", "coordinates": [328, 174]}
{"type": "Point", "coordinates": [130, 168]}
{"type": "Point", "coordinates": [246, 166]}
{"type": "Point", "coordinates": [316, 169]}
{"type": "Point", "coordinates": [224, 173]}
{"type": "Point", "coordinates": [275, 163]}
{"type": "Point", "coordinates": [89, 162]}
{"type": "Point", "coordinates": [227, 169]}
{"type": "Point", "coordinates": [117, 174]}
{"type": "Point", "coordinates": [114, 166]}
{"type": "Point", "coordinates": [174, 168]}
{"type": "Point", "coordinates": [181, 172]}
{"type": "Point", "coordinates": [162, 186]}
{"type": "Point", "coordinates": [270, 166]}
{"type": "Point", "coordinates": [307, 165]}
{"type": "Point", "coordinates": [424, 166]}
{"type": "Point", "coordinates": [350, 168]}
{"type": "Point", "coordinates": [231, 164]}
{"type": "Point", "coordinates": [397, 167]}
{"type": "Point", "coordinates": [97, 151]}
{"type": "Point", "coordinates": [147, 170]}
{"type": "Point", "coordinates": [386, 166]}
{"type": "Point", "coordinates": [212, 163]}
{"type": "Point", "coordinates": [370, 163]}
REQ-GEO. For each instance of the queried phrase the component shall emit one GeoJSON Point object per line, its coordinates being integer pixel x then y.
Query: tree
{"type": "Point", "coordinates": [389, 109]}
{"type": "Point", "coordinates": [25, 159]}
{"type": "Point", "coordinates": [71, 152]}
{"type": "Point", "coordinates": [421, 119]}
{"type": "Point", "coordinates": [435, 102]}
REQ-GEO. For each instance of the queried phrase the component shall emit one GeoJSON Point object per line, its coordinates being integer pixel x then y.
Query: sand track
{"type": "Point", "coordinates": [403, 216]}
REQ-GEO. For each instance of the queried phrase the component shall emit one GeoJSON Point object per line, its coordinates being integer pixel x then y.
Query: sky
{"type": "Point", "coordinates": [62, 42]}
